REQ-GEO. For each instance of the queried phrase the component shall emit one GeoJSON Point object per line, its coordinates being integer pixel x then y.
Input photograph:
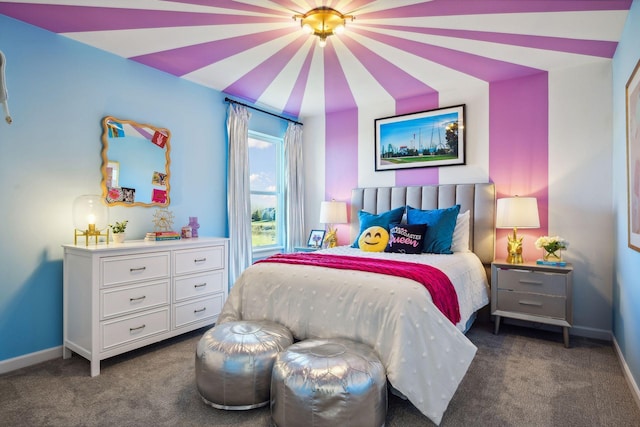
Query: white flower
{"type": "Point", "coordinates": [551, 243]}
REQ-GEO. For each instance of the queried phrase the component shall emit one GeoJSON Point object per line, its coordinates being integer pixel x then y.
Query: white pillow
{"type": "Point", "coordinates": [460, 242]}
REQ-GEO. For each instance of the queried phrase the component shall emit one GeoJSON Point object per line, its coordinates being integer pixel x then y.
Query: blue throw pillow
{"type": "Point", "coordinates": [382, 220]}
{"type": "Point", "coordinates": [406, 239]}
{"type": "Point", "coordinates": [440, 226]}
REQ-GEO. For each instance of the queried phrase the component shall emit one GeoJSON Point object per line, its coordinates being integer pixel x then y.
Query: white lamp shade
{"type": "Point", "coordinates": [90, 209]}
{"type": "Point", "coordinates": [333, 212]}
{"type": "Point", "coordinates": [517, 212]}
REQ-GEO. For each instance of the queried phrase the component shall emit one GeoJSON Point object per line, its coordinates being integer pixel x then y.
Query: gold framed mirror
{"type": "Point", "coordinates": [135, 163]}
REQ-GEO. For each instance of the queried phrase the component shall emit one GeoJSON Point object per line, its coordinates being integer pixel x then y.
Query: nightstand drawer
{"type": "Point", "coordinates": [532, 281]}
{"type": "Point", "coordinates": [536, 304]}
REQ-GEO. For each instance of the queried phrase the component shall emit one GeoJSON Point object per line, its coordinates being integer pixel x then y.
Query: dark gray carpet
{"type": "Point", "coordinates": [522, 377]}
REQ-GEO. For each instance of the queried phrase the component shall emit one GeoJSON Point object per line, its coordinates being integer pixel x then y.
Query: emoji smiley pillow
{"type": "Point", "coordinates": [374, 239]}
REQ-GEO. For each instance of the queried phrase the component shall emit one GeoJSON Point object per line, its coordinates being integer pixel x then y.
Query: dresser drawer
{"type": "Point", "coordinates": [134, 327]}
{"type": "Point", "coordinates": [132, 268]}
{"type": "Point", "coordinates": [123, 300]}
{"type": "Point", "coordinates": [532, 281]}
{"type": "Point", "coordinates": [536, 304]}
{"type": "Point", "coordinates": [196, 260]}
{"type": "Point", "coordinates": [199, 285]}
{"type": "Point", "coordinates": [196, 311]}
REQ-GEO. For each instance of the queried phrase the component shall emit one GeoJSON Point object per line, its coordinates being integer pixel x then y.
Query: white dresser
{"type": "Point", "coordinates": [120, 297]}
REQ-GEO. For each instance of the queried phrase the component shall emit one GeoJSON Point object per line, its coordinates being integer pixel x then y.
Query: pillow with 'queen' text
{"type": "Point", "coordinates": [406, 239]}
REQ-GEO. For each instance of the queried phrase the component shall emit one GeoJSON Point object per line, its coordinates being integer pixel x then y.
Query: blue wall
{"type": "Point", "coordinates": [59, 90]}
{"type": "Point", "coordinates": [626, 282]}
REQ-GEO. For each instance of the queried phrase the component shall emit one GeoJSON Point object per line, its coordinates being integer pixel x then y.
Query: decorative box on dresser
{"type": "Point", "coordinates": [120, 297]}
{"type": "Point", "coordinates": [532, 292]}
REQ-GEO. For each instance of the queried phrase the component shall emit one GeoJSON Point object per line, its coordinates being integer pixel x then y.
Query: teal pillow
{"type": "Point", "coordinates": [440, 226]}
{"type": "Point", "coordinates": [382, 220]}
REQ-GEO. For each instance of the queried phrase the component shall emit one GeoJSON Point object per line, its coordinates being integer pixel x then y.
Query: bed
{"type": "Point", "coordinates": [425, 354]}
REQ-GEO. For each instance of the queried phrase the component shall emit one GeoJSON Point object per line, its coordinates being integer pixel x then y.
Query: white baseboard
{"type": "Point", "coordinates": [586, 332]}
{"type": "Point", "coordinates": [575, 330]}
{"type": "Point", "coordinates": [30, 359]}
{"type": "Point", "coordinates": [633, 385]}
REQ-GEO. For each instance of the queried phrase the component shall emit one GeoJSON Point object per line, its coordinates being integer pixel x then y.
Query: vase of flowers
{"type": "Point", "coordinates": [118, 230]}
{"type": "Point", "coordinates": [552, 247]}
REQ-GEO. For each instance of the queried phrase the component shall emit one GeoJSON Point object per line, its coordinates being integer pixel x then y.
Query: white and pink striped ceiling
{"type": "Point", "coordinates": [394, 49]}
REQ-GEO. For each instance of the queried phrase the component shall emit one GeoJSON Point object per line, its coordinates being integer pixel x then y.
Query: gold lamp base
{"type": "Point", "coordinates": [331, 239]}
{"type": "Point", "coordinates": [514, 249]}
{"type": "Point", "coordinates": [90, 232]}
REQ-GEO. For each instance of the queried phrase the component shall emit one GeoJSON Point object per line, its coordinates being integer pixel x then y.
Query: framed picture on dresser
{"type": "Point", "coordinates": [632, 94]}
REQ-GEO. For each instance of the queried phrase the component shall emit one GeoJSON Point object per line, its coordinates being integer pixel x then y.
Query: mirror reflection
{"type": "Point", "coordinates": [135, 163]}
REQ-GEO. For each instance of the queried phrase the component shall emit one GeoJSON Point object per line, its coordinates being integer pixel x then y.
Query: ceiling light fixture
{"type": "Point", "coordinates": [323, 22]}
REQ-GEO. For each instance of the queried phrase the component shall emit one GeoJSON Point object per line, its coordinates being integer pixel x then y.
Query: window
{"type": "Point", "coordinates": [266, 175]}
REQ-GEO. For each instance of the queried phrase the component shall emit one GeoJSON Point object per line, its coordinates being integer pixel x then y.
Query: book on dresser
{"type": "Point", "coordinates": [162, 235]}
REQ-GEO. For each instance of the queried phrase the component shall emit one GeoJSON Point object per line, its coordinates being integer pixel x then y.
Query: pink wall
{"type": "Point", "coordinates": [518, 149]}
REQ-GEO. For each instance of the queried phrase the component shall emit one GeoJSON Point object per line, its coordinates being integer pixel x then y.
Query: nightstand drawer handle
{"type": "Point", "coordinates": [200, 310]}
{"type": "Point", "coordinates": [137, 269]}
{"type": "Point", "coordinates": [199, 260]}
{"type": "Point", "coordinates": [531, 282]}
{"type": "Point", "coordinates": [532, 303]}
{"type": "Point", "coordinates": [200, 285]}
{"type": "Point", "coordinates": [137, 298]}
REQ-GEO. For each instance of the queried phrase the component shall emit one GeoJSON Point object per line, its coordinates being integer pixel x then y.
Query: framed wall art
{"type": "Point", "coordinates": [419, 140]}
{"type": "Point", "coordinates": [632, 94]}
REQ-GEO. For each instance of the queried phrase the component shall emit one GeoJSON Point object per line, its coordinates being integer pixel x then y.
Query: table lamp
{"type": "Point", "coordinates": [332, 213]}
{"type": "Point", "coordinates": [516, 212]}
{"type": "Point", "coordinates": [90, 218]}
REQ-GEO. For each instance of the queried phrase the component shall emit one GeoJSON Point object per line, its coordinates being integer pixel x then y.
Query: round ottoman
{"type": "Point", "coordinates": [234, 362]}
{"type": "Point", "coordinates": [328, 382]}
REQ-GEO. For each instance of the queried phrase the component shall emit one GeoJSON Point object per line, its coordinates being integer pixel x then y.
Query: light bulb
{"type": "Point", "coordinates": [339, 29]}
{"type": "Point", "coordinates": [322, 42]}
{"type": "Point", "coordinates": [306, 28]}
{"type": "Point", "coordinates": [91, 219]}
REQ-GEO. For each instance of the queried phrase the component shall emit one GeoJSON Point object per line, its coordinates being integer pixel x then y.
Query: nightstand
{"type": "Point", "coordinates": [305, 249]}
{"type": "Point", "coordinates": [532, 292]}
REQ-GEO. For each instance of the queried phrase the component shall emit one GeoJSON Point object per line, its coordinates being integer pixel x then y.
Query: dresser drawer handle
{"type": "Point", "coordinates": [131, 270]}
{"type": "Point", "coordinates": [200, 260]}
{"type": "Point", "coordinates": [200, 285]}
{"type": "Point", "coordinates": [137, 328]}
{"type": "Point", "coordinates": [200, 310]}
{"type": "Point", "coordinates": [532, 303]}
{"type": "Point", "coordinates": [137, 298]}
{"type": "Point", "coordinates": [530, 282]}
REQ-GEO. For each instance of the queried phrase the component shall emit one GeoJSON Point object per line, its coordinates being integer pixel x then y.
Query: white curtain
{"type": "Point", "coordinates": [238, 191]}
{"type": "Point", "coordinates": [294, 196]}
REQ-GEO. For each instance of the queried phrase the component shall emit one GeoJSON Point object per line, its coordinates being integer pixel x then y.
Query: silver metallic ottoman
{"type": "Point", "coordinates": [234, 362]}
{"type": "Point", "coordinates": [328, 382]}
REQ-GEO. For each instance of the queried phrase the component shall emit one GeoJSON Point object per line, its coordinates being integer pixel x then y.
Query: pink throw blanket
{"type": "Point", "coordinates": [434, 280]}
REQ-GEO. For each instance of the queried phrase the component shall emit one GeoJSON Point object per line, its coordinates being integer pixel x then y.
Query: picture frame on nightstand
{"type": "Point", "coordinates": [316, 237]}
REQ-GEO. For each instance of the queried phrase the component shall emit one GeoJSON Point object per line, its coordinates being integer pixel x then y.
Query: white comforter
{"type": "Point", "coordinates": [425, 355]}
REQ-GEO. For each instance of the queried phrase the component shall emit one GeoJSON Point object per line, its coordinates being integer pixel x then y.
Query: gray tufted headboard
{"type": "Point", "coordinates": [479, 199]}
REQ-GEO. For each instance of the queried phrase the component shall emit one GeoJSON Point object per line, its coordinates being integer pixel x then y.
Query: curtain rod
{"type": "Point", "coordinates": [262, 111]}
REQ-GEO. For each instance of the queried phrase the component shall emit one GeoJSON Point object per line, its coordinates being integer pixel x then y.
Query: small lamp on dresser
{"type": "Point", "coordinates": [332, 213]}
{"type": "Point", "coordinates": [90, 218]}
{"type": "Point", "coordinates": [516, 212]}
